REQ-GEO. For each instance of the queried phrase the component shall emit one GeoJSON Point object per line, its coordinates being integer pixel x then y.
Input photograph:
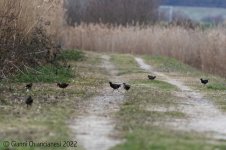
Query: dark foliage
{"type": "Point", "coordinates": [111, 12]}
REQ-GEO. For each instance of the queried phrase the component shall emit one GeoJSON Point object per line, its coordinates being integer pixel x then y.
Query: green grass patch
{"type": "Point", "coordinates": [126, 64]}
{"type": "Point", "coordinates": [167, 64]}
{"type": "Point", "coordinates": [216, 86]}
{"type": "Point", "coordinates": [51, 73]}
{"type": "Point", "coordinates": [30, 125]}
{"type": "Point", "coordinates": [45, 74]}
{"type": "Point", "coordinates": [135, 110]}
{"type": "Point", "coordinates": [71, 55]}
{"type": "Point", "coordinates": [155, 138]}
{"type": "Point", "coordinates": [155, 84]}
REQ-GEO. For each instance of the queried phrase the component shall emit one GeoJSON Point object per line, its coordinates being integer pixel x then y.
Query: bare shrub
{"type": "Point", "coordinates": [204, 49]}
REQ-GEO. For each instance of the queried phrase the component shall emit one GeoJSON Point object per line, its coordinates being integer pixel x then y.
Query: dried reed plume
{"type": "Point", "coordinates": [204, 49]}
{"type": "Point", "coordinates": [28, 32]}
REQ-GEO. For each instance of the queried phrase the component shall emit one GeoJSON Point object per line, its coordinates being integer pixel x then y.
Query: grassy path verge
{"type": "Point", "coordinates": [215, 89]}
{"type": "Point", "coordinates": [204, 116]}
{"type": "Point", "coordinates": [144, 119]}
{"type": "Point", "coordinates": [149, 108]}
{"type": "Point", "coordinates": [47, 119]}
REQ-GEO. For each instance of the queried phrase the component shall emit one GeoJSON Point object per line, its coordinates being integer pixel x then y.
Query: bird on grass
{"type": "Point", "coordinates": [62, 85]}
{"type": "Point", "coordinates": [29, 86]}
{"type": "Point", "coordinates": [114, 86]}
{"type": "Point", "coordinates": [204, 81]}
{"type": "Point", "coordinates": [126, 86]}
{"type": "Point", "coordinates": [150, 77]}
{"type": "Point", "coordinates": [29, 101]}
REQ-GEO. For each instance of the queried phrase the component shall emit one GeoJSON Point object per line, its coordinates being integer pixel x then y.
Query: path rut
{"type": "Point", "coordinates": [94, 130]}
{"type": "Point", "coordinates": [203, 115]}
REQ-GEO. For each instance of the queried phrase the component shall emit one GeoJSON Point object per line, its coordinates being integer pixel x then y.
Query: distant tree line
{"type": "Point", "coordinates": [111, 11]}
{"type": "Point", "coordinates": [201, 3]}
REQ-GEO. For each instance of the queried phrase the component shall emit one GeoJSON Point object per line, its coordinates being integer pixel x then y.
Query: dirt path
{"type": "Point", "coordinates": [94, 129]}
{"type": "Point", "coordinates": [203, 115]}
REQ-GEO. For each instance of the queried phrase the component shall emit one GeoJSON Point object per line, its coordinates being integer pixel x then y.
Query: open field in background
{"type": "Point", "coordinates": [197, 13]}
{"type": "Point", "coordinates": [203, 49]}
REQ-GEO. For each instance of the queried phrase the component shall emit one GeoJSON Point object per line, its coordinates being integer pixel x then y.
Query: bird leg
{"type": "Point", "coordinates": [120, 92]}
{"type": "Point", "coordinates": [63, 93]}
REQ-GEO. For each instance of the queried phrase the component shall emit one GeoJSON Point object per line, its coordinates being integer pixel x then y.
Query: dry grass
{"type": "Point", "coordinates": [29, 31]}
{"type": "Point", "coordinates": [204, 49]}
{"type": "Point", "coordinates": [28, 14]}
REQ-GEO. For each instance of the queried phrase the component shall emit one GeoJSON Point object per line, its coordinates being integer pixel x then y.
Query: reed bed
{"type": "Point", "coordinates": [203, 49]}
{"type": "Point", "coordinates": [28, 31]}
